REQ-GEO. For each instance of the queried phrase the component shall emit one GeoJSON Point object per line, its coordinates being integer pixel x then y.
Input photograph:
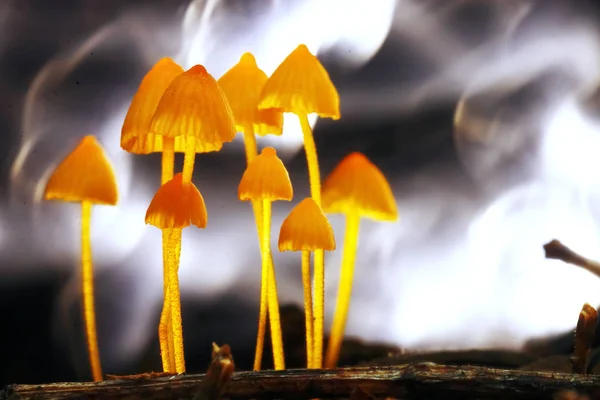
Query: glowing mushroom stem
{"type": "Point", "coordinates": [262, 318]}
{"type": "Point", "coordinates": [251, 151]}
{"type": "Point", "coordinates": [87, 277]}
{"type": "Point", "coordinates": [273, 304]}
{"type": "Point", "coordinates": [308, 313]}
{"type": "Point", "coordinates": [314, 176]}
{"type": "Point", "coordinates": [319, 306]}
{"type": "Point", "coordinates": [189, 159]}
{"type": "Point", "coordinates": [250, 143]}
{"type": "Point", "coordinates": [168, 159]}
{"type": "Point", "coordinates": [344, 290]}
{"type": "Point", "coordinates": [173, 255]}
{"type": "Point", "coordinates": [165, 335]}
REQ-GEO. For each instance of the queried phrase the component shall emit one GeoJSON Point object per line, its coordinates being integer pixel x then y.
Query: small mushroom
{"type": "Point", "coordinates": [307, 229]}
{"type": "Point", "coordinates": [195, 109]}
{"type": "Point", "coordinates": [176, 205]}
{"type": "Point", "coordinates": [302, 86]}
{"type": "Point", "coordinates": [242, 85]}
{"type": "Point", "coordinates": [355, 188]}
{"type": "Point", "coordinates": [86, 176]}
{"type": "Point", "coordinates": [266, 180]}
{"type": "Point", "coordinates": [137, 138]}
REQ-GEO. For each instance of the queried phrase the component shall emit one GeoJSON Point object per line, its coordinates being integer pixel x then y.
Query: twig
{"type": "Point", "coordinates": [584, 336]}
{"type": "Point", "coordinates": [218, 375]}
{"type": "Point", "coordinates": [412, 381]}
{"type": "Point", "coordinates": [558, 251]}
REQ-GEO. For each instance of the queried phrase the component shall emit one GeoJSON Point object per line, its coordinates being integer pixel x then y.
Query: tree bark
{"type": "Point", "coordinates": [409, 381]}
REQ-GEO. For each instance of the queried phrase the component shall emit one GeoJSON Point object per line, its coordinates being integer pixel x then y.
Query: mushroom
{"type": "Point", "coordinates": [176, 205]}
{"type": "Point", "coordinates": [242, 85]}
{"type": "Point", "coordinates": [266, 180]}
{"type": "Point", "coordinates": [194, 109]}
{"type": "Point", "coordinates": [87, 177]}
{"type": "Point", "coordinates": [302, 86]}
{"type": "Point", "coordinates": [137, 138]}
{"type": "Point", "coordinates": [307, 229]}
{"type": "Point", "coordinates": [355, 188]}
{"type": "Point", "coordinates": [194, 114]}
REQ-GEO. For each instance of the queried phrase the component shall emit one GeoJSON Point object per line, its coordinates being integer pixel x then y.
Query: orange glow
{"type": "Point", "coordinates": [194, 105]}
{"type": "Point", "coordinates": [356, 185]}
{"type": "Point", "coordinates": [84, 175]}
{"type": "Point", "coordinates": [136, 136]}
{"type": "Point", "coordinates": [266, 179]}
{"type": "Point", "coordinates": [177, 205]}
{"type": "Point", "coordinates": [306, 228]}
{"type": "Point", "coordinates": [302, 86]}
{"type": "Point", "coordinates": [242, 85]}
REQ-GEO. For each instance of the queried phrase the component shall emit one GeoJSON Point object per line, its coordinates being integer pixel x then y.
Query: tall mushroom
{"type": "Point", "coordinates": [307, 229]}
{"type": "Point", "coordinates": [242, 85]}
{"type": "Point", "coordinates": [266, 180]}
{"type": "Point", "coordinates": [137, 138]}
{"type": "Point", "coordinates": [355, 188]}
{"type": "Point", "coordinates": [195, 115]}
{"type": "Point", "coordinates": [301, 85]}
{"type": "Point", "coordinates": [176, 205]}
{"type": "Point", "coordinates": [86, 176]}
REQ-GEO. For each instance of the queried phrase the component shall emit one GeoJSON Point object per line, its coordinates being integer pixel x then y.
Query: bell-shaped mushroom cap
{"type": "Point", "coordinates": [302, 86]}
{"type": "Point", "coordinates": [136, 136]}
{"type": "Point", "coordinates": [194, 105]}
{"type": "Point", "coordinates": [242, 85]}
{"type": "Point", "coordinates": [177, 205]}
{"type": "Point", "coordinates": [85, 174]}
{"type": "Point", "coordinates": [266, 178]}
{"type": "Point", "coordinates": [356, 185]}
{"type": "Point", "coordinates": [306, 228]}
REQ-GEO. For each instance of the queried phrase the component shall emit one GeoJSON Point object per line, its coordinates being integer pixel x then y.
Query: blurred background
{"type": "Point", "coordinates": [483, 115]}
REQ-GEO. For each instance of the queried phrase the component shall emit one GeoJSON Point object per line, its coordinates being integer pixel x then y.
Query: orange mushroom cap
{"type": "Point", "coordinates": [302, 86]}
{"type": "Point", "coordinates": [242, 85]}
{"type": "Point", "coordinates": [84, 175]}
{"type": "Point", "coordinates": [177, 205]}
{"type": "Point", "coordinates": [136, 136]}
{"type": "Point", "coordinates": [306, 228]}
{"type": "Point", "coordinates": [266, 178]}
{"type": "Point", "coordinates": [356, 185]}
{"type": "Point", "coordinates": [194, 106]}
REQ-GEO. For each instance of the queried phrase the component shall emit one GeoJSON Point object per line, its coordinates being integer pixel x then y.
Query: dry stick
{"type": "Point", "coordinates": [558, 251]}
{"type": "Point", "coordinates": [417, 380]}
{"type": "Point", "coordinates": [586, 325]}
{"type": "Point", "coordinates": [218, 375]}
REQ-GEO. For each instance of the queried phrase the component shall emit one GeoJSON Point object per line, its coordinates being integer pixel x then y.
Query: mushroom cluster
{"type": "Point", "coordinates": [188, 111]}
